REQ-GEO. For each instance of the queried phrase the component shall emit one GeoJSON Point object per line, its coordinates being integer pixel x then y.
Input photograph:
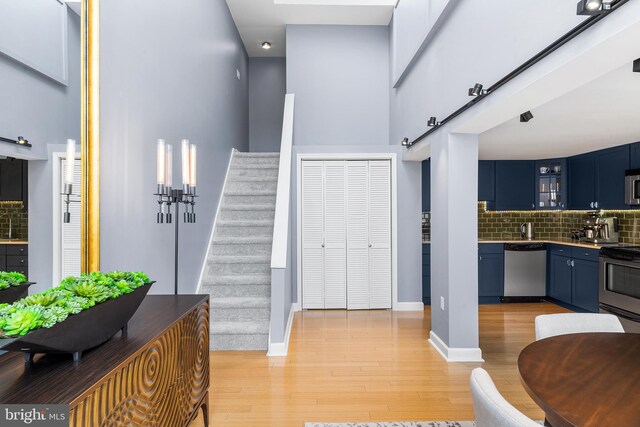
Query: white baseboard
{"type": "Point", "coordinates": [455, 354]}
{"type": "Point", "coordinates": [409, 306]}
{"type": "Point", "coordinates": [282, 348]}
{"type": "Point", "coordinates": [296, 306]}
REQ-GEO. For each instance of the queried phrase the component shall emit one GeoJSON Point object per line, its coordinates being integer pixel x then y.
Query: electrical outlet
{"type": "Point", "coordinates": [238, 74]}
{"type": "Point", "coordinates": [442, 303]}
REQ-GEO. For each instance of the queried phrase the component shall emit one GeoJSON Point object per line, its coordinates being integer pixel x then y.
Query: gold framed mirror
{"type": "Point", "coordinates": [90, 135]}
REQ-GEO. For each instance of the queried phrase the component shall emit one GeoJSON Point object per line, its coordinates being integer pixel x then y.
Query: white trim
{"type": "Point", "coordinates": [215, 220]}
{"type": "Point", "coordinates": [282, 348]}
{"type": "Point", "coordinates": [455, 354]}
{"type": "Point", "coordinates": [281, 217]}
{"type": "Point", "coordinates": [296, 306]}
{"type": "Point", "coordinates": [409, 306]}
{"type": "Point", "coordinates": [57, 157]}
{"type": "Point", "coordinates": [394, 212]}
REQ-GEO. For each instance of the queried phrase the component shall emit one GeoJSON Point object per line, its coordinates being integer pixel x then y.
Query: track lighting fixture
{"type": "Point", "coordinates": [19, 141]}
{"type": "Point", "coordinates": [405, 142]}
{"type": "Point", "coordinates": [433, 122]}
{"type": "Point", "coordinates": [477, 90]}
{"type": "Point", "coordinates": [636, 66]}
{"type": "Point", "coordinates": [593, 7]}
{"type": "Point", "coordinates": [526, 116]}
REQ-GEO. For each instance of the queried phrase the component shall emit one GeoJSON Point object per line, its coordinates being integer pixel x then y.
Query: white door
{"type": "Point", "coordinates": [346, 234]}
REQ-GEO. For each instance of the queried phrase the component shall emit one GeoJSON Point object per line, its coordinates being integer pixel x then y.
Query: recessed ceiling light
{"type": "Point", "coordinates": [266, 45]}
{"type": "Point", "coordinates": [526, 116]}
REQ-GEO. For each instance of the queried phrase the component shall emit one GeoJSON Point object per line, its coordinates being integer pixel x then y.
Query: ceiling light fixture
{"type": "Point", "coordinates": [477, 90]}
{"type": "Point", "coordinates": [405, 142]}
{"type": "Point", "coordinates": [20, 141]}
{"type": "Point", "coordinates": [593, 7]}
{"type": "Point", "coordinates": [266, 45]}
{"type": "Point", "coordinates": [636, 66]}
{"type": "Point", "coordinates": [526, 116]}
{"type": "Point", "coordinates": [433, 122]}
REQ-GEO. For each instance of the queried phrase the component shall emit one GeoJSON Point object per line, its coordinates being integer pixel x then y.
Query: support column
{"type": "Point", "coordinates": [454, 247]}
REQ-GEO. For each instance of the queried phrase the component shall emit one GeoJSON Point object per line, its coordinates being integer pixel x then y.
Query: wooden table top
{"type": "Point", "coordinates": [56, 379]}
{"type": "Point", "coordinates": [589, 379]}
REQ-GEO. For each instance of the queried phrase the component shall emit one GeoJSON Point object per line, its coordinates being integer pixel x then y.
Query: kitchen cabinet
{"type": "Point", "coordinates": [14, 258]}
{"type": "Point", "coordinates": [487, 180]}
{"type": "Point", "coordinates": [426, 274]}
{"type": "Point", "coordinates": [13, 180]}
{"type": "Point", "coordinates": [426, 185]}
{"type": "Point", "coordinates": [551, 184]}
{"type": "Point", "coordinates": [515, 185]}
{"type": "Point", "coordinates": [634, 155]}
{"type": "Point", "coordinates": [490, 272]}
{"type": "Point", "coordinates": [596, 180]}
{"type": "Point", "coordinates": [574, 276]}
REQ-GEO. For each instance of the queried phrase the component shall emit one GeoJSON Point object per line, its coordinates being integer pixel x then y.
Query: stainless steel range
{"type": "Point", "coordinates": [620, 284]}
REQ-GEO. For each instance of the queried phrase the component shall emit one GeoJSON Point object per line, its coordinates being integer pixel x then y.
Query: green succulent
{"type": "Point", "coordinates": [53, 315]}
{"type": "Point", "coordinates": [8, 279]}
{"type": "Point", "coordinates": [23, 321]}
{"type": "Point", "coordinates": [90, 290]}
{"type": "Point", "coordinates": [43, 299]}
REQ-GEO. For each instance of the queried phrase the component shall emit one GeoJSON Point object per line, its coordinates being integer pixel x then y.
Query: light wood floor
{"type": "Point", "coordinates": [368, 366]}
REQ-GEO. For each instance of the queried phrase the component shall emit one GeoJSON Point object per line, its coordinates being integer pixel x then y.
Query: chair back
{"type": "Point", "coordinates": [550, 325]}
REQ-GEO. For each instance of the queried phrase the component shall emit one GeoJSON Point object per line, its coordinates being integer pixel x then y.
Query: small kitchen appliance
{"type": "Point", "coordinates": [601, 230]}
{"type": "Point", "coordinates": [527, 231]}
{"type": "Point", "coordinates": [632, 187]}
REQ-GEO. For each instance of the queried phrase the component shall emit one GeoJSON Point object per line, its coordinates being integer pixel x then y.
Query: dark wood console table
{"type": "Point", "coordinates": [157, 374]}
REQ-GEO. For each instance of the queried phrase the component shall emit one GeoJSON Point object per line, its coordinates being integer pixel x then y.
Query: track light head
{"type": "Point", "coordinates": [433, 122]}
{"type": "Point", "coordinates": [405, 142]}
{"type": "Point", "coordinates": [636, 66]}
{"type": "Point", "coordinates": [477, 90]}
{"type": "Point", "coordinates": [592, 7]}
{"type": "Point", "coordinates": [526, 116]}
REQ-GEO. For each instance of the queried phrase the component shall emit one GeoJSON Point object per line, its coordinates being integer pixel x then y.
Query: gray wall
{"type": "Point", "coordinates": [340, 76]}
{"type": "Point", "coordinates": [267, 87]}
{"type": "Point", "coordinates": [479, 42]}
{"type": "Point", "coordinates": [167, 71]}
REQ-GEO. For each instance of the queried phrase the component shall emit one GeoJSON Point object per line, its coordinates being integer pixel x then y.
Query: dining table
{"type": "Point", "coordinates": [585, 379]}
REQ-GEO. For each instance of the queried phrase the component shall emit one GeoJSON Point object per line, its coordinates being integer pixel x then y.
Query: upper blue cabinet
{"type": "Point", "coordinates": [487, 180]}
{"type": "Point", "coordinates": [515, 185]}
{"type": "Point", "coordinates": [596, 180]}
{"type": "Point", "coordinates": [426, 185]}
{"type": "Point", "coordinates": [634, 156]}
{"type": "Point", "coordinates": [551, 184]}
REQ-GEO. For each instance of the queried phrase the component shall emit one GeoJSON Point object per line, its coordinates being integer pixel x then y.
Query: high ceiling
{"type": "Point", "coordinates": [604, 113]}
{"type": "Point", "coordinates": [265, 20]}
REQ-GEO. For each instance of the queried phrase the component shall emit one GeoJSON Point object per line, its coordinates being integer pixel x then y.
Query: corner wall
{"type": "Point", "coordinates": [267, 88]}
{"type": "Point", "coordinates": [167, 71]}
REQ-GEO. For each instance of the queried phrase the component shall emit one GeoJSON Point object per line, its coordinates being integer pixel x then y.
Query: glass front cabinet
{"type": "Point", "coordinates": [551, 184]}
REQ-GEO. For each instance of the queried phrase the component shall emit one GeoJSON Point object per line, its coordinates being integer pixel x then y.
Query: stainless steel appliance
{"type": "Point", "coordinates": [601, 230]}
{"type": "Point", "coordinates": [527, 231]}
{"type": "Point", "coordinates": [632, 186]}
{"type": "Point", "coordinates": [620, 284]}
{"type": "Point", "coordinates": [525, 272]}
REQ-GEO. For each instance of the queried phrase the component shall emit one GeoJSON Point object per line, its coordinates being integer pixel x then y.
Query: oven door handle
{"type": "Point", "coordinates": [620, 313]}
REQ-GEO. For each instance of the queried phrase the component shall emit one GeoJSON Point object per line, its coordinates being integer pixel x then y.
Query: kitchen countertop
{"type": "Point", "coordinates": [13, 242]}
{"type": "Point", "coordinates": [558, 241]}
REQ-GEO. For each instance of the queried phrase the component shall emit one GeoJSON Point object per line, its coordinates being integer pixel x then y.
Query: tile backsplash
{"type": "Point", "coordinates": [548, 224]}
{"type": "Point", "coordinates": [19, 220]}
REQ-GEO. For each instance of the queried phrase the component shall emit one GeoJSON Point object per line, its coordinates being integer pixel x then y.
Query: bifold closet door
{"type": "Point", "coordinates": [380, 233]}
{"type": "Point", "coordinates": [358, 290]}
{"type": "Point", "coordinates": [323, 235]}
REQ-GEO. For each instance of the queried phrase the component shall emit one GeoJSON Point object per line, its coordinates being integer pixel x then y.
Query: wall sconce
{"type": "Point", "coordinates": [20, 141]}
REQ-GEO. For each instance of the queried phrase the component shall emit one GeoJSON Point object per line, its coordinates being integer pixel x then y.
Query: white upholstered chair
{"type": "Point", "coordinates": [550, 325]}
{"type": "Point", "coordinates": [491, 409]}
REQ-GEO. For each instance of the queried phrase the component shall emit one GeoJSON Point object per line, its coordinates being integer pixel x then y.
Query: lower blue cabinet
{"type": "Point", "coordinates": [560, 278]}
{"type": "Point", "coordinates": [490, 272]}
{"type": "Point", "coordinates": [584, 284]}
{"type": "Point", "coordinates": [426, 274]}
{"type": "Point", "coordinates": [574, 280]}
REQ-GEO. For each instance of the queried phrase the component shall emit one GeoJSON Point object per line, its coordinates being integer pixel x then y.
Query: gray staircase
{"type": "Point", "coordinates": [238, 271]}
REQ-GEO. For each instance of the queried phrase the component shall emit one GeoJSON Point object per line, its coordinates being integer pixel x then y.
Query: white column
{"type": "Point", "coordinates": [454, 247]}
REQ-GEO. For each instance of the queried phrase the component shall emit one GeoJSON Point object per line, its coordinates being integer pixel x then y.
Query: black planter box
{"type": "Point", "coordinates": [14, 293]}
{"type": "Point", "coordinates": [82, 331]}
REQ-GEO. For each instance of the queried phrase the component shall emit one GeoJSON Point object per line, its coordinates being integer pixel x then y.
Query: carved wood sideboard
{"type": "Point", "coordinates": [157, 374]}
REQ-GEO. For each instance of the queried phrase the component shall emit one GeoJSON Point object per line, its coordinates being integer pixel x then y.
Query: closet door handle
{"type": "Point", "coordinates": [369, 244]}
{"type": "Point", "coordinates": [323, 245]}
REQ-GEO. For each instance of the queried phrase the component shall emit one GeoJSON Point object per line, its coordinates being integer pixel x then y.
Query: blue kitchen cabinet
{"type": "Point", "coordinates": [426, 274]}
{"type": "Point", "coordinates": [490, 272]}
{"type": "Point", "coordinates": [426, 185]}
{"type": "Point", "coordinates": [560, 277]}
{"type": "Point", "coordinates": [515, 185]}
{"type": "Point", "coordinates": [486, 180]}
{"type": "Point", "coordinates": [584, 284]}
{"type": "Point", "coordinates": [611, 165]}
{"type": "Point", "coordinates": [582, 181]}
{"type": "Point", "coordinates": [551, 184]}
{"type": "Point", "coordinates": [634, 156]}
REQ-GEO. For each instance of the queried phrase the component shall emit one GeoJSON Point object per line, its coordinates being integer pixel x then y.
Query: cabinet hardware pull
{"type": "Point", "coordinates": [573, 264]}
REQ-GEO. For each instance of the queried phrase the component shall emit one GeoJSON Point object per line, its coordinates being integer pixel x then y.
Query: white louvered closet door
{"type": "Point", "coordinates": [357, 235]}
{"type": "Point", "coordinates": [380, 233]}
{"type": "Point", "coordinates": [70, 232]}
{"type": "Point", "coordinates": [335, 280]}
{"type": "Point", "coordinates": [312, 235]}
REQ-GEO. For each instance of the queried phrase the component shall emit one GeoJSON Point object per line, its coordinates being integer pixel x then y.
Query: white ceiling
{"type": "Point", "coordinates": [265, 20]}
{"type": "Point", "coordinates": [75, 5]}
{"type": "Point", "coordinates": [603, 113]}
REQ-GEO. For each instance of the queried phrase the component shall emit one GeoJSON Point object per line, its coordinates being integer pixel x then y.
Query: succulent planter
{"type": "Point", "coordinates": [14, 293]}
{"type": "Point", "coordinates": [82, 331]}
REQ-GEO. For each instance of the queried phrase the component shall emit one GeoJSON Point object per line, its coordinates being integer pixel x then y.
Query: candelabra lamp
{"type": "Point", "coordinates": [168, 196]}
{"type": "Point", "coordinates": [68, 180]}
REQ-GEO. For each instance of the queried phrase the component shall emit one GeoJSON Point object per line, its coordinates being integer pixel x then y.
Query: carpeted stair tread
{"type": "Point", "coordinates": [243, 155]}
{"type": "Point", "coordinates": [249, 207]}
{"type": "Point", "coordinates": [244, 223]}
{"type": "Point", "coordinates": [225, 342]}
{"type": "Point", "coordinates": [241, 259]}
{"type": "Point", "coordinates": [240, 279]}
{"type": "Point", "coordinates": [250, 192]}
{"type": "Point", "coordinates": [263, 166]}
{"type": "Point", "coordinates": [233, 240]}
{"type": "Point", "coordinates": [240, 302]}
{"type": "Point", "coordinates": [240, 328]}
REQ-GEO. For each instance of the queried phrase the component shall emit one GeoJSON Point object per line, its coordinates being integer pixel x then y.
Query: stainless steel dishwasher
{"type": "Point", "coordinates": [525, 272]}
